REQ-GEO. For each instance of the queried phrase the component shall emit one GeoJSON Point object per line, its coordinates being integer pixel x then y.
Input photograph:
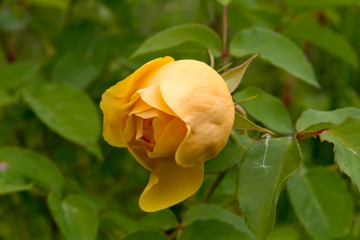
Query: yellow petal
{"type": "Point", "coordinates": [139, 128]}
{"type": "Point", "coordinates": [160, 124]}
{"type": "Point", "coordinates": [129, 131]}
{"type": "Point", "coordinates": [170, 184]}
{"type": "Point", "coordinates": [139, 106]}
{"type": "Point", "coordinates": [140, 154]}
{"type": "Point", "coordinates": [200, 97]}
{"type": "Point", "coordinates": [114, 121]}
{"type": "Point", "coordinates": [152, 96]}
{"type": "Point", "coordinates": [140, 148]}
{"type": "Point", "coordinates": [116, 100]}
{"type": "Point", "coordinates": [170, 139]}
{"type": "Point", "coordinates": [168, 133]}
{"type": "Point", "coordinates": [157, 116]}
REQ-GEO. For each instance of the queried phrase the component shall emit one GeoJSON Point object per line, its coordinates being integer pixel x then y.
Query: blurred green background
{"type": "Point", "coordinates": [57, 57]}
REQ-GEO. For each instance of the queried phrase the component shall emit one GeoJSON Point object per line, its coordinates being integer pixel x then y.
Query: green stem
{"type": "Point", "coordinates": [213, 186]}
{"type": "Point", "coordinates": [225, 53]}
{"type": "Point", "coordinates": [176, 232]}
{"type": "Point", "coordinates": [38, 191]}
{"type": "Point", "coordinates": [67, 15]}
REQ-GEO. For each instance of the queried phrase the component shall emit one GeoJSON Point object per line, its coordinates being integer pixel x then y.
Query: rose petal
{"type": "Point", "coordinates": [139, 147]}
{"type": "Point", "coordinates": [116, 100]}
{"type": "Point", "coordinates": [112, 125]}
{"type": "Point", "coordinates": [171, 132]}
{"type": "Point", "coordinates": [152, 96]}
{"type": "Point", "coordinates": [160, 122]}
{"type": "Point", "coordinates": [200, 97]}
{"type": "Point", "coordinates": [170, 140]}
{"type": "Point", "coordinates": [140, 154]}
{"type": "Point", "coordinates": [139, 106]}
{"type": "Point", "coordinates": [170, 184]}
{"type": "Point", "coordinates": [139, 128]}
{"type": "Point", "coordinates": [129, 131]}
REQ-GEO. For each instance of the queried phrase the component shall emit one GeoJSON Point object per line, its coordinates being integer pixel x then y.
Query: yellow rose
{"type": "Point", "coordinates": [172, 116]}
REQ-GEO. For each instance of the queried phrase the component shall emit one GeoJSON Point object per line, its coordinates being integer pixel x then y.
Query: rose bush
{"type": "Point", "coordinates": [172, 116]}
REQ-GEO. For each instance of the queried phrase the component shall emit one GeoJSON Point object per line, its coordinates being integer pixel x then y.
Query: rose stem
{"type": "Point", "coordinates": [225, 53]}
{"type": "Point", "coordinates": [213, 186]}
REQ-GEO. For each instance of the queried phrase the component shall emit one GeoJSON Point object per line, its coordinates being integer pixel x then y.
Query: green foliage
{"type": "Point", "coordinates": [262, 108]}
{"type": "Point", "coordinates": [60, 180]}
{"type": "Point", "coordinates": [75, 70]}
{"type": "Point", "coordinates": [284, 232]}
{"type": "Point", "coordinates": [311, 118]}
{"type": "Point", "coordinates": [266, 167]}
{"type": "Point", "coordinates": [25, 166]}
{"type": "Point", "coordinates": [211, 229]}
{"type": "Point", "coordinates": [233, 153]}
{"type": "Point", "coordinates": [162, 220]}
{"type": "Point", "coordinates": [314, 202]}
{"type": "Point", "coordinates": [242, 123]}
{"type": "Point", "coordinates": [75, 215]}
{"type": "Point", "coordinates": [119, 222]}
{"type": "Point", "coordinates": [12, 75]}
{"type": "Point", "coordinates": [60, 4]}
{"type": "Point", "coordinates": [346, 139]}
{"type": "Point", "coordinates": [175, 36]}
{"type": "Point", "coordinates": [55, 105]}
{"type": "Point", "coordinates": [233, 77]}
{"type": "Point", "coordinates": [11, 22]}
{"type": "Point", "coordinates": [275, 48]}
{"type": "Point", "coordinates": [308, 29]}
{"type": "Point", "coordinates": [207, 212]}
{"type": "Point", "coordinates": [151, 235]}
{"type": "Point", "coordinates": [5, 98]}
{"type": "Point", "coordinates": [310, 5]}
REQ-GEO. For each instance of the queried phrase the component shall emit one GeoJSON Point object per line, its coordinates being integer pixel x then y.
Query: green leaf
{"type": "Point", "coordinates": [2, 56]}
{"type": "Point", "coordinates": [233, 153]}
{"type": "Point", "coordinates": [161, 220]}
{"type": "Point", "coordinates": [22, 164]}
{"type": "Point", "coordinates": [346, 140]}
{"type": "Point", "coordinates": [316, 119]}
{"type": "Point", "coordinates": [120, 222]}
{"type": "Point", "coordinates": [75, 216]}
{"type": "Point", "coordinates": [305, 5]}
{"type": "Point", "coordinates": [145, 234]}
{"type": "Point", "coordinates": [321, 202]}
{"type": "Point", "coordinates": [211, 229]}
{"type": "Point", "coordinates": [78, 35]}
{"type": "Point", "coordinates": [214, 212]}
{"type": "Point", "coordinates": [5, 98]}
{"type": "Point", "coordinates": [284, 232]}
{"type": "Point", "coordinates": [75, 70]}
{"type": "Point", "coordinates": [69, 112]}
{"type": "Point", "coordinates": [13, 19]}
{"type": "Point", "coordinates": [7, 187]}
{"type": "Point", "coordinates": [314, 130]}
{"type": "Point", "coordinates": [233, 76]}
{"type": "Point", "coordinates": [243, 123]}
{"type": "Point", "coordinates": [249, 3]}
{"type": "Point", "coordinates": [277, 49]}
{"type": "Point", "coordinates": [12, 75]}
{"type": "Point", "coordinates": [59, 4]}
{"type": "Point", "coordinates": [261, 176]}
{"type": "Point", "coordinates": [224, 2]}
{"type": "Point", "coordinates": [323, 37]}
{"type": "Point", "coordinates": [177, 35]}
{"type": "Point", "coordinates": [267, 109]}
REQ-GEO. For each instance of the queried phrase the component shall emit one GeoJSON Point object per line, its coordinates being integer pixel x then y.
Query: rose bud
{"type": "Point", "coordinates": [172, 116]}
